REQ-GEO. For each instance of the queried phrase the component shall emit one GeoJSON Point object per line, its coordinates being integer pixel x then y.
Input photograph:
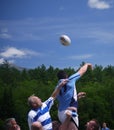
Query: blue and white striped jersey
{"type": "Point", "coordinates": [42, 115]}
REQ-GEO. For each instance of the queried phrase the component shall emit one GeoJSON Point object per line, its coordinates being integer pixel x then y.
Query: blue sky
{"type": "Point", "coordinates": [30, 31]}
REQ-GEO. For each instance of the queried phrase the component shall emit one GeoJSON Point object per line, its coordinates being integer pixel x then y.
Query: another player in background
{"type": "Point", "coordinates": [104, 126]}
{"type": "Point", "coordinates": [11, 124]}
{"type": "Point", "coordinates": [92, 125]}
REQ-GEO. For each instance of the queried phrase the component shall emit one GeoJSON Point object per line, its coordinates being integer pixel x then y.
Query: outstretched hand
{"type": "Point", "coordinates": [57, 90]}
{"type": "Point", "coordinates": [90, 66]}
{"type": "Point", "coordinates": [64, 81]}
{"type": "Point", "coordinates": [81, 95]}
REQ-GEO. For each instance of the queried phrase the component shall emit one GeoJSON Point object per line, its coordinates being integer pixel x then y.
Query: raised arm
{"type": "Point", "coordinates": [84, 68]}
{"type": "Point", "coordinates": [57, 90]}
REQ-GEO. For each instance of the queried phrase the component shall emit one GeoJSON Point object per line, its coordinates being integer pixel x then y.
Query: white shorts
{"type": "Point", "coordinates": [62, 117]}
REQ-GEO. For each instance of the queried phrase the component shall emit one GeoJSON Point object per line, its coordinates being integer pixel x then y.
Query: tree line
{"type": "Point", "coordinates": [17, 85]}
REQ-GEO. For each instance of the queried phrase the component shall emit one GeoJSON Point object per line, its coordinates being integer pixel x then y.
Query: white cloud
{"type": "Point", "coordinates": [98, 4]}
{"type": "Point", "coordinates": [30, 52]}
{"type": "Point", "coordinates": [12, 52]}
{"type": "Point", "coordinates": [1, 60]}
{"type": "Point", "coordinates": [4, 34]}
{"type": "Point", "coordinates": [80, 57]}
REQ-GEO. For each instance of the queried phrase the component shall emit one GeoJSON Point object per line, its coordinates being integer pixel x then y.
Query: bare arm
{"type": "Point", "coordinates": [84, 68]}
{"type": "Point", "coordinates": [57, 90]}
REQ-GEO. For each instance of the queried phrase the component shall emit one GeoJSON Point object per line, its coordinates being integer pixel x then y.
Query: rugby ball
{"type": "Point", "coordinates": [65, 40]}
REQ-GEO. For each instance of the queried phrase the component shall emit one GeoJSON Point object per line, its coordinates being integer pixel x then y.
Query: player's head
{"type": "Point", "coordinates": [34, 101]}
{"type": "Point", "coordinates": [104, 124]}
{"type": "Point", "coordinates": [11, 124]}
{"type": "Point", "coordinates": [92, 125]}
{"type": "Point", "coordinates": [62, 74]}
{"type": "Point", "coordinates": [36, 126]}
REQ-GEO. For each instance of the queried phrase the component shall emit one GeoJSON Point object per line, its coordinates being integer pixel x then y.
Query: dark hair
{"type": "Point", "coordinates": [62, 74]}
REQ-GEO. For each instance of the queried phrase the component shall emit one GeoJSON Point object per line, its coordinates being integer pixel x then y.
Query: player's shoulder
{"type": "Point", "coordinates": [74, 76]}
{"type": "Point", "coordinates": [31, 113]}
